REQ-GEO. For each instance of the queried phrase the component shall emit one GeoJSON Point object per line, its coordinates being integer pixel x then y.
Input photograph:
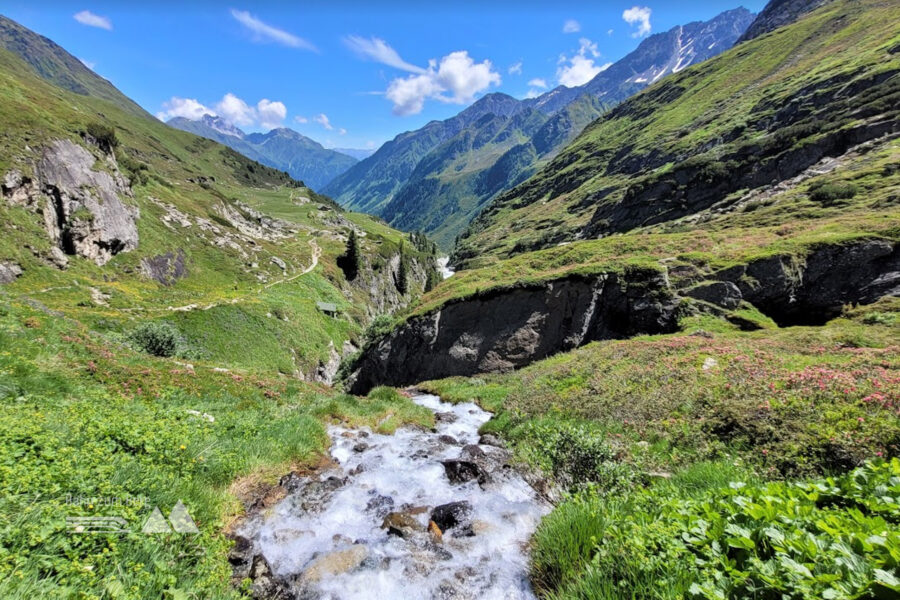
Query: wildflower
{"type": "Point", "coordinates": [182, 447]}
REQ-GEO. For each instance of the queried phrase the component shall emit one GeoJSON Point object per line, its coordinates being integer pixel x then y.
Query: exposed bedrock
{"type": "Point", "coordinates": [503, 329]}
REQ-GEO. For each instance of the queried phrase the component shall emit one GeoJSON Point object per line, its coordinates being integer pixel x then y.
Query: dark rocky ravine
{"type": "Point", "coordinates": [414, 515]}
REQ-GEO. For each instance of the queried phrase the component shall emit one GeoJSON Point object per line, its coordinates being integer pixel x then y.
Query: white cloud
{"type": "Point", "coordinates": [456, 79]}
{"type": "Point", "coordinates": [301, 120]}
{"type": "Point", "coordinates": [271, 114]}
{"type": "Point", "coordinates": [267, 114]}
{"type": "Point", "coordinates": [342, 131]}
{"type": "Point", "coordinates": [189, 108]}
{"type": "Point", "coordinates": [533, 93]}
{"type": "Point", "coordinates": [235, 111]}
{"type": "Point", "coordinates": [538, 82]}
{"type": "Point", "coordinates": [88, 18]}
{"type": "Point", "coordinates": [640, 16]}
{"type": "Point", "coordinates": [571, 26]}
{"type": "Point", "coordinates": [89, 64]}
{"type": "Point", "coordinates": [370, 145]}
{"type": "Point", "coordinates": [378, 50]}
{"type": "Point", "coordinates": [515, 69]}
{"type": "Point", "coordinates": [609, 31]}
{"type": "Point", "coordinates": [264, 32]}
{"type": "Point", "coordinates": [322, 119]}
{"type": "Point", "coordinates": [580, 68]}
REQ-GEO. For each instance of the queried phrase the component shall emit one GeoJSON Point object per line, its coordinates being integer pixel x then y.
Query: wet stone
{"type": "Point", "coordinates": [400, 516]}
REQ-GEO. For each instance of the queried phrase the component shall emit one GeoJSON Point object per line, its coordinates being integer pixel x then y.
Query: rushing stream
{"type": "Point", "coordinates": [381, 525]}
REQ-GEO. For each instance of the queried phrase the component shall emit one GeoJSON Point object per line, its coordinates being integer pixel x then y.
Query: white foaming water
{"type": "Point", "coordinates": [444, 267]}
{"type": "Point", "coordinates": [400, 472]}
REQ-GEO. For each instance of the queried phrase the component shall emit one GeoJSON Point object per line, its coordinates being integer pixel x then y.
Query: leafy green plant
{"type": "Point", "coordinates": [837, 537]}
{"type": "Point", "coordinates": [827, 193]}
{"type": "Point", "coordinates": [158, 338]}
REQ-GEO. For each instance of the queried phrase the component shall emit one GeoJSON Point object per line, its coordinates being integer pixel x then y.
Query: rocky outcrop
{"type": "Point", "coordinates": [166, 268]}
{"type": "Point", "coordinates": [814, 289]}
{"type": "Point", "coordinates": [379, 282]}
{"type": "Point", "coordinates": [9, 272]}
{"type": "Point", "coordinates": [508, 328]}
{"type": "Point", "coordinates": [84, 213]}
{"type": "Point", "coordinates": [82, 205]}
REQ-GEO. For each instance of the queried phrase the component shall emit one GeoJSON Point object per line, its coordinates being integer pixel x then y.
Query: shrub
{"type": "Point", "coordinates": [579, 458]}
{"type": "Point", "coordinates": [104, 135]}
{"type": "Point", "coordinates": [826, 193]}
{"type": "Point", "coordinates": [158, 338]}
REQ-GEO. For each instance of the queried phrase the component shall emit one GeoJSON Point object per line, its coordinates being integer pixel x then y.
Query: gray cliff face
{"type": "Point", "coordinates": [380, 284]}
{"type": "Point", "coordinates": [82, 207]}
{"type": "Point", "coordinates": [506, 329]}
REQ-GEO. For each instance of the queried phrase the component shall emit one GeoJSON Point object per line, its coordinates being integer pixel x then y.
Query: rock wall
{"type": "Point", "coordinates": [82, 206]}
{"type": "Point", "coordinates": [380, 285]}
{"type": "Point", "coordinates": [814, 290]}
{"type": "Point", "coordinates": [505, 329]}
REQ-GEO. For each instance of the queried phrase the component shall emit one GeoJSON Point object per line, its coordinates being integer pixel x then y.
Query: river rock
{"type": "Point", "coordinates": [461, 471]}
{"type": "Point", "coordinates": [401, 524]}
{"type": "Point", "coordinates": [380, 504]}
{"type": "Point", "coordinates": [489, 439]}
{"type": "Point", "coordinates": [265, 586]}
{"type": "Point", "coordinates": [335, 563]}
{"type": "Point", "coordinates": [452, 515]}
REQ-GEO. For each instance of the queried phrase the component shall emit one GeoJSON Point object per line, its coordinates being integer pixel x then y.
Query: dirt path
{"type": "Point", "coordinates": [316, 253]}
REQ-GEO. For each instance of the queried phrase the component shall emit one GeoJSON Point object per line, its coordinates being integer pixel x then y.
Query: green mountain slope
{"type": "Point", "coordinates": [161, 334]}
{"type": "Point", "coordinates": [434, 180]}
{"type": "Point", "coordinates": [164, 223]}
{"type": "Point", "coordinates": [706, 146]}
{"type": "Point", "coordinates": [59, 67]}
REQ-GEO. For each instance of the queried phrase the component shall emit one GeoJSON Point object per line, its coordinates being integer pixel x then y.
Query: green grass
{"type": "Point", "coordinates": [831, 538]}
{"type": "Point", "coordinates": [84, 418]}
{"type": "Point", "coordinates": [649, 437]}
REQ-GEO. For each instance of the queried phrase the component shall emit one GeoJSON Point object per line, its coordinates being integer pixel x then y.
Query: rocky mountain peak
{"type": "Point", "coordinates": [221, 125]}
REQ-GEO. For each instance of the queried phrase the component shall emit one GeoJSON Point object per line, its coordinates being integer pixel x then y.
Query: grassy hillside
{"type": "Point", "coordinates": [700, 149]}
{"type": "Point", "coordinates": [190, 181]}
{"type": "Point", "coordinates": [666, 445]}
{"type": "Point", "coordinates": [231, 259]}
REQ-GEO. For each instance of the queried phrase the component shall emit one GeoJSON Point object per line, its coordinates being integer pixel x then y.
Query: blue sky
{"type": "Point", "coordinates": [348, 74]}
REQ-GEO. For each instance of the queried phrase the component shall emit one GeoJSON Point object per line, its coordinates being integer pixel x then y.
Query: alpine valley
{"type": "Point", "coordinates": [632, 339]}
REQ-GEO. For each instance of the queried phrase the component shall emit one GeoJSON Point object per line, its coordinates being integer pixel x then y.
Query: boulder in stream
{"type": "Point", "coordinates": [461, 471]}
{"type": "Point", "coordinates": [452, 515]}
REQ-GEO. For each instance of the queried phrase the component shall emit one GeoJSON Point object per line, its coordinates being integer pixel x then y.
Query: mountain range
{"type": "Point", "coordinates": [282, 148]}
{"type": "Point", "coordinates": [438, 178]}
